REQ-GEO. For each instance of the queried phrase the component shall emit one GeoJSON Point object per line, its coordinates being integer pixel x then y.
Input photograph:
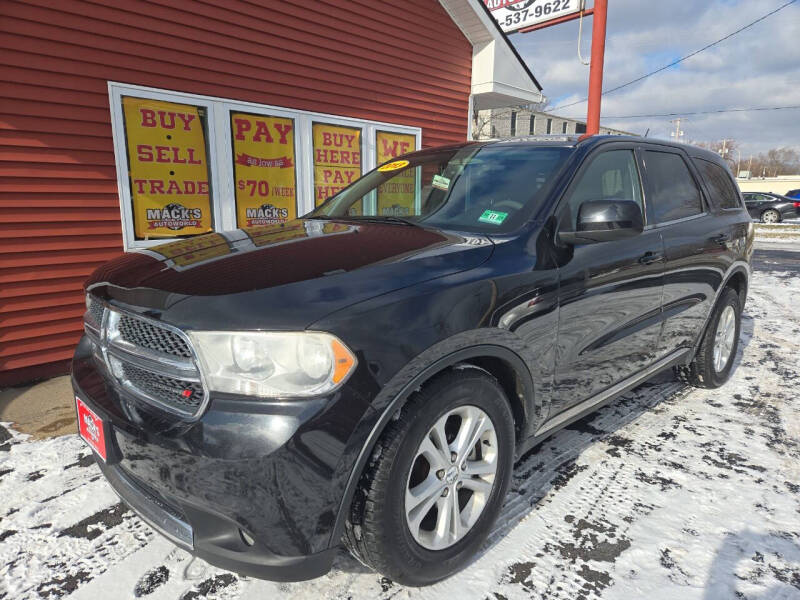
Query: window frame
{"type": "Point", "coordinates": [587, 162]}
{"type": "Point", "coordinates": [220, 151]}
{"type": "Point", "coordinates": [704, 203]}
{"type": "Point", "coordinates": [730, 180]}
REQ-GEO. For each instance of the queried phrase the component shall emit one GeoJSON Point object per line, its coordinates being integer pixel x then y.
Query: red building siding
{"type": "Point", "coordinates": [402, 63]}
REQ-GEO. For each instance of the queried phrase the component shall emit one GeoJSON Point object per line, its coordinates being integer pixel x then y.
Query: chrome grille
{"type": "Point", "coordinates": [151, 360]}
{"type": "Point", "coordinates": [96, 310]}
{"type": "Point", "coordinates": [147, 335]}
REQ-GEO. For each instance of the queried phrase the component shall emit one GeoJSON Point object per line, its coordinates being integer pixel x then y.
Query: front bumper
{"type": "Point", "coordinates": [252, 486]}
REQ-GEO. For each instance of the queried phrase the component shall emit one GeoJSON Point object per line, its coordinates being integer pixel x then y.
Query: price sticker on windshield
{"type": "Point", "coordinates": [512, 15]}
{"type": "Point", "coordinates": [393, 166]}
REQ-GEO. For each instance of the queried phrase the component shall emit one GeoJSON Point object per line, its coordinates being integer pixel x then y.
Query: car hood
{"type": "Point", "coordinates": [281, 276]}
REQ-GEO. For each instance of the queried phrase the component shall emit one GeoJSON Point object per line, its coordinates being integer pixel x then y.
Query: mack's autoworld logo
{"type": "Point", "coordinates": [91, 428]}
{"type": "Point", "coordinates": [174, 216]}
{"type": "Point", "coordinates": [266, 214]}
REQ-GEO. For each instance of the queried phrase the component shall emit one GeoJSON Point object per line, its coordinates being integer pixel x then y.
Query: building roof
{"type": "Point", "coordinates": [499, 75]}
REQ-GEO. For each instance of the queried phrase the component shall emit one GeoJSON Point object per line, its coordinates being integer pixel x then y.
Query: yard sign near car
{"type": "Point", "coordinates": [513, 15]}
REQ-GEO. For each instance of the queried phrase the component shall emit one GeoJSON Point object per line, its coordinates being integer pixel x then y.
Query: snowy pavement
{"type": "Point", "coordinates": [669, 492]}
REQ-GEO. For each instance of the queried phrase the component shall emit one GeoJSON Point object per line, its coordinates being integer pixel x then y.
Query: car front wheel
{"type": "Point", "coordinates": [437, 480]}
{"type": "Point", "coordinates": [770, 216]}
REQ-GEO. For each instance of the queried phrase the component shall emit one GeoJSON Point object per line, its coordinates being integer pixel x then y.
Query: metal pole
{"type": "Point", "coordinates": [596, 70]}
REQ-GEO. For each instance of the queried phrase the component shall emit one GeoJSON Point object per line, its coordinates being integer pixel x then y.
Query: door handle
{"type": "Point", "coordinates": [649, 258]}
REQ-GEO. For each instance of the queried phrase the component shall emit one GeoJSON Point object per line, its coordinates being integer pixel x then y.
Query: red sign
{"type": "Point", "coordinates": [90, 427]}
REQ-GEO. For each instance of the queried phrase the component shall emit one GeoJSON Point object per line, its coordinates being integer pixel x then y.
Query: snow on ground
{"type": "Point", "coordinates": [669, 492]}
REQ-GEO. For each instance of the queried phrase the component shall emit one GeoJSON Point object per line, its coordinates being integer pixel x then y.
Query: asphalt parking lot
{"type": "Point", "coordinates": [669, 492]}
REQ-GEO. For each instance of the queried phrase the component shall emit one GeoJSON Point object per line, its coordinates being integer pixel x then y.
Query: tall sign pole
{"type": "Point", "coordinates": [596, 70]}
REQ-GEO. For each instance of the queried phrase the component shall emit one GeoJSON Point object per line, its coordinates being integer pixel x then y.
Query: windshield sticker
{"type": "Point", "coordinates": [492, 216]}
{"type": "Point", "coordinates": [393, 166]}
{"type": "Point", "coordinates": [440, 182]}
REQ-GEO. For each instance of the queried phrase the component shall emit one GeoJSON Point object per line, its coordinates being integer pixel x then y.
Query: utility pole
{"type": "Point", "coordinates": [724, 150]}
{"type": "Point", "coordinates": [596, 70]}
{"type": "Point", "coordinates": [678, 133]}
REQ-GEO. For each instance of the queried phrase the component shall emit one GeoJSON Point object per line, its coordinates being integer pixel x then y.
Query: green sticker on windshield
{"type": "Point", "coordinates": [440, 182]}
{"type": "Point", "coordinates": [492, 216]}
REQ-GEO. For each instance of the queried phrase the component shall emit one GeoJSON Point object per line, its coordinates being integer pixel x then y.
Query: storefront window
{"type": "Point", "coordinates": [396, 197]}
{"type": "Point", "coordinates": [189, 164]}
{"type": "Point", "coordinates": [168, 168]}
{"type": "Point", "coordinates": [337, 160]}
{"type": "Point", "coordinates": [264, 169]}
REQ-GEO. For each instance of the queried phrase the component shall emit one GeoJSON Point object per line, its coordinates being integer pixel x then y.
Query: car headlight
{"type": "Point", "coordinates": [272, 364]}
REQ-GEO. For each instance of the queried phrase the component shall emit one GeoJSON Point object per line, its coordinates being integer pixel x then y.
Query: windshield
{"type": "Point", "coordinates": [474, 188]}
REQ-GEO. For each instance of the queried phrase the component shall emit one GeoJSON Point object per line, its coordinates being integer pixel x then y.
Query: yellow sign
{"type": "Point", "coordinates": [393, 166]}
{"type": "Point", "coordinates": [337, 159]}
{"type": "Point", "coordinates": [396, 196]}
{"type": "Point", "coordinates": [264, 167]}
{"type": "Point", "coordinates": [167, 167]}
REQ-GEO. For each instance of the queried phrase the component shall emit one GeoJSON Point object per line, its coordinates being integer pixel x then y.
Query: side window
{"type": "Point", "coordinates": [674, 194]}
{"type": "Point", "coordinates": [610, 176]}
{"type": "Point", "coordinates": [723, 192]}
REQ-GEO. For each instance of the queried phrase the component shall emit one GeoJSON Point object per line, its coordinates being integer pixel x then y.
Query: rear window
{"type": "Point", "coordinates": [673, 192]}
{"type": "Point", "coordinates": [723, 192]}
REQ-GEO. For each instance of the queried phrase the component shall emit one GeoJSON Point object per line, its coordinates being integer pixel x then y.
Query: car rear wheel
{"type": "Point", "coordinates": [770, 216]}
{"type": "Point", "coordinates": [713, 363]}
{"type": "Point", "coordinates": [437, 480]}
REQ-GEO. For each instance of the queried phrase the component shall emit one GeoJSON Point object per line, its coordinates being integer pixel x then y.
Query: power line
{"type": "Point", "coordinates": [699, 112]}
{"type": "Point", "coordinates": [672, 114]}
{"type": "Point", "coordinates": [680, 60]}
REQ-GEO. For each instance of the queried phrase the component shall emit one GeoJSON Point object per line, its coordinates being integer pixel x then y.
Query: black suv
{"type": "Point", "coordinates": [367, 374]}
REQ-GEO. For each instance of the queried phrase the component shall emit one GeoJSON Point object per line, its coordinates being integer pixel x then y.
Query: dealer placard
{"type": "Point", "coordinates": [264, 169]}
{"type": "Point", "coordinates": [168, 168]}
{"type": "Point", "coordinates": [337, 159]}
{"type": "Point", "coordinates": [396, 196]}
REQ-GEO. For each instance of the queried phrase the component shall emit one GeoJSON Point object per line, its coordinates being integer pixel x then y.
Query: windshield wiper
{"type": "Point", "coordinates": [369, 218]}
{"type": "Point", "coordinates": [384, 219]}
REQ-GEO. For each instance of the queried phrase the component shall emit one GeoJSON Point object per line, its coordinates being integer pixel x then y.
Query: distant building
{"type": "Point", "coordinates": [511, 122]}
{"type": "Point", "coordinates": [776, 185]}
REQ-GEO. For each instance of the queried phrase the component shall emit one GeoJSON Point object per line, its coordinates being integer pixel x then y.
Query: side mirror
{"type": "Point", "coordinates": [605, 221]}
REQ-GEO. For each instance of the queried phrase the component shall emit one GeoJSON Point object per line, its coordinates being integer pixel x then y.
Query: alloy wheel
{"type": "Point", "coordinates": [724, 338]}
{"type": "Point", "coordinates": [770, 216]}
{"type": "Point", "coordinates": [451, 478]}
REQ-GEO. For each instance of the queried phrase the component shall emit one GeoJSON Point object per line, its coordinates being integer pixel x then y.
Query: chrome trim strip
{"type": "Point", "coordinates": [150, 362]}
{"type": "Point", "coordinates": [663, 224]}
{"type": "Point", "coordinates": [563, 417]}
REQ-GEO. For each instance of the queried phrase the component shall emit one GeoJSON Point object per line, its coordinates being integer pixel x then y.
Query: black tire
{"type": "Point", "coordinates": [377, 533]}
{"type": "Point", "coordinates": [701, 371]}
{"type": "Point", "coordinates": [771, 211]}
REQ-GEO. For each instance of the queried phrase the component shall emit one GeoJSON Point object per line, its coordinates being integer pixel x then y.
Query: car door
{"type": "Point", "coordinates": [694, 242]}
{"type": "Point", "coordinates": [751, 201]}
{"type": "Point", "coordinates": [610, 292]}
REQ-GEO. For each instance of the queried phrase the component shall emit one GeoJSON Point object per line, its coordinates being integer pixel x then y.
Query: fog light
{"type": "Point", "coordinates": [247, 539]}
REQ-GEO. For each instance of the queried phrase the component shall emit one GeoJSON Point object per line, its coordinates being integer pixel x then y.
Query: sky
{"type": "Point", "coordinates": [757, 67]}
